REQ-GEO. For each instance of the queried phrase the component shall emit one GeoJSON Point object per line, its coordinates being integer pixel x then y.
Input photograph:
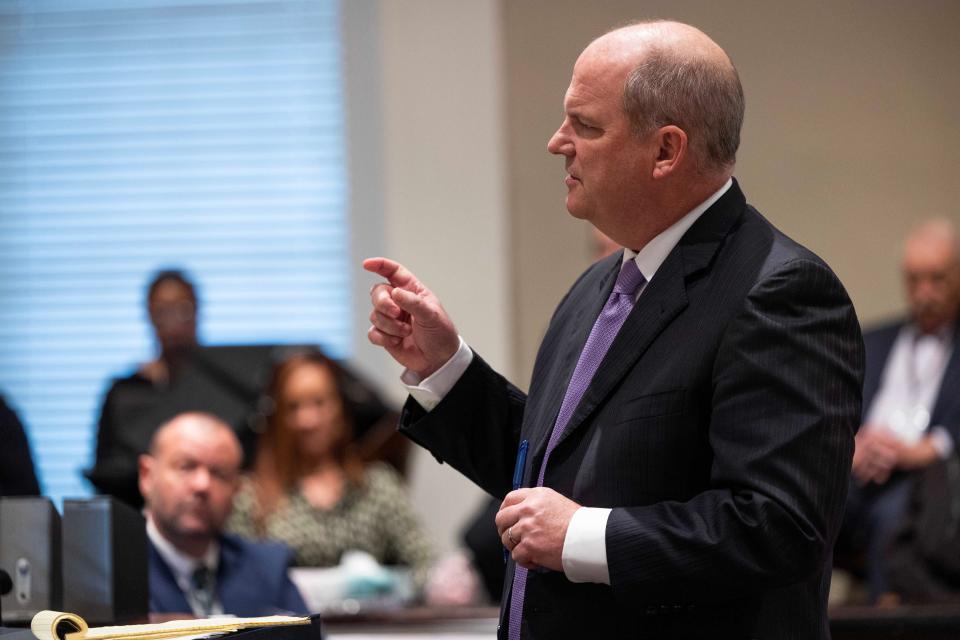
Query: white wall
{"type": "Point", "coordinates": [427, 133]}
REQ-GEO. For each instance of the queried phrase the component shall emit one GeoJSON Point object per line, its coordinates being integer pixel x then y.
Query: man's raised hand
{"type": "Point", "coordinates": [408, 320]}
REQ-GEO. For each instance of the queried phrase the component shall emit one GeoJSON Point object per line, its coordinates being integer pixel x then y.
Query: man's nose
{"type": "Point", "coordinates": [200, 480]}
{"type": "Point", "coordinates": [924, 289]}
{"type": "Point", "coordinates": [560, 143]}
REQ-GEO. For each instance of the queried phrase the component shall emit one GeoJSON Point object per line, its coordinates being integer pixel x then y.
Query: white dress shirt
{"type": "Point", "coordinates": [585, 545]}
{"type": "Point", "coordinates": [910, 386]}
{"type": "Point", "coordinates": [184, 565]}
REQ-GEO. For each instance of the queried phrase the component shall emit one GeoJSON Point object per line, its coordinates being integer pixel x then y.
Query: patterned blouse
{"type": "Point", "coordinates": [376, 518]}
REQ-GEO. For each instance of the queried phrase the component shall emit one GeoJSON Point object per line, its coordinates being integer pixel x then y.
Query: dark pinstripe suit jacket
{"type": "Point", "coordinates": [719, 428]}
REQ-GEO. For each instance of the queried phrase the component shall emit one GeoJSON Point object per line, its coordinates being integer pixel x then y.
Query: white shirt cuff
{"type": "Point", "coordinates": [941, 441]}
{"type": "Point", "coordinates": [430, 391]}
{"type": "Point", "coordinates": [585, 546]}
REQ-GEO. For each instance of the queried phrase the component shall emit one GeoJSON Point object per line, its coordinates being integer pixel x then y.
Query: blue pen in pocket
{"type": "Point", "coordinates": [518, 477]}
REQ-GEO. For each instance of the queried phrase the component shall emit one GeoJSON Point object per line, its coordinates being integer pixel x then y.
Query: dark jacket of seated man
{"type": "Point", "coordinates": [249, 579]}
{"type": "Point", "coordinates": [188, 480]}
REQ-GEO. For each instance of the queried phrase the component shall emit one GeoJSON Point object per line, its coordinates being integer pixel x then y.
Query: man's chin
{"type": "Point", "coordinates": [197, 530]}
{"type": "Point", "coordinates": [576, 209]}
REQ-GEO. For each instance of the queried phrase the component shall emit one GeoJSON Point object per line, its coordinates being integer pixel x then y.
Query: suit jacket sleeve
{"type": "Point", "coordinates": [476, 427]}
{"type": "Point", "coordinates": [785, 406]}
{"type": "Point", "coordinates": [289, 598]}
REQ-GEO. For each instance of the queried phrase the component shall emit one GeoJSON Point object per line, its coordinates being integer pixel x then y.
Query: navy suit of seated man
{"type": "Point", "coordinates": [188, 480]}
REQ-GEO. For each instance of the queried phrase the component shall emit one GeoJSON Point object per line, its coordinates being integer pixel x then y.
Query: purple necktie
{"type": "Point", "coordinates": [605, 329]}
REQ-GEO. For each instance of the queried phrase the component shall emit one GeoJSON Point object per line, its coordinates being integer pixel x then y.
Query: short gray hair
{"type": "Point", "coordinates": [698, 95]}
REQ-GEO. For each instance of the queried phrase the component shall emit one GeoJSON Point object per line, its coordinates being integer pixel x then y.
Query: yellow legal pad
{"type": "Point", "coordinates": [57, 625]}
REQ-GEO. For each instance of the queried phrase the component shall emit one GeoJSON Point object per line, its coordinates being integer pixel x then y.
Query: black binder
{"type": "Point", "coordinates": [105, 577]}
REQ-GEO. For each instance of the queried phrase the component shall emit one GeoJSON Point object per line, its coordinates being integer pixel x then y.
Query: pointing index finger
{"type": "Point", "coordinates": [395, 273]}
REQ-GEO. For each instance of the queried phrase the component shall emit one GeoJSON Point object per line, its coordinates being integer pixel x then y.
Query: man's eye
{"type": "Point", "coordinates": [586, 127]}
{"type": "Point", "coordinates": [222, 475]}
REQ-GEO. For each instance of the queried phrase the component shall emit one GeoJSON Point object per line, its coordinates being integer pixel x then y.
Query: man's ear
{"type": "Point", "coordinates": [672, 150]}
{"type": "Point", "coordinates": [145, 479]}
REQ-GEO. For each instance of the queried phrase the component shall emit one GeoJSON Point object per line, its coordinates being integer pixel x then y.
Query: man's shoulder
{"type": "Point", "coordinates": [9, 421]}
{"type": "Point", "coordinates": [234, 547]}
{"type": "Point", "coordinates": [734, 235]}
{"type": "Point", "coordinates": [740, 247]}
{"type": "Point", "coordinates": [884, 330]}
{"type": "Point", "coordinates": [878, 339]}
{"type": "Point", "coordinates": [133, 377]}
{"type": "Point", "coordinates": [782, 248]}
{"type": "Point", "coordinates": [133, 386]}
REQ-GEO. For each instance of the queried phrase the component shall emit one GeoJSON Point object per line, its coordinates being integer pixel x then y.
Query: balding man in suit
{"type": "Point", "coordinates": [188, 480]}
{"type": "Point", "coordinates": [686, 442]}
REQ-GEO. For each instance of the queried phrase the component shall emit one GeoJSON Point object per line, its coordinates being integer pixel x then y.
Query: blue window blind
{"type": "Point", "coordinates": [139, 134]}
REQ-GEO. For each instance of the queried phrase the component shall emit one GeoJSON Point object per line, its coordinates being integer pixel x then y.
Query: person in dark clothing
{"type": "Point", "coordinates": [172, 308]}
{"type": "Point", "coordinates": [911, 408]}
{"type": "Point", "coordinates": [17, 474]}
{"type": "Point", "coordinates": [486, 551]}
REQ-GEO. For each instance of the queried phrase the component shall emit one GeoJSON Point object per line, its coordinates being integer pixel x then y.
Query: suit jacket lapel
{"type": "Point", "coordinates": [229, 590]}
{"type": "Point", "coordinates": [664, 298]}
{"type": "Point", "coordinates": [165, 593]}
{"type": "Point", "coordinates": [662, 301]}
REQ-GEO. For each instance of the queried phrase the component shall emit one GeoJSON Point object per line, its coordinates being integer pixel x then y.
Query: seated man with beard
{"type": "Point", "coordinates": [188, 480]}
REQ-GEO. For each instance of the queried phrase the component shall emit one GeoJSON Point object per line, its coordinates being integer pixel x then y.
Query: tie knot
{"type": "Point", "coordinates": [629, 280]}
{"type": "Point", "coordinates": [202, 577]}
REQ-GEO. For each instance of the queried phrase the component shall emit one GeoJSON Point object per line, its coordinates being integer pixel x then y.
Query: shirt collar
{"type": "Point", "coordinates": [943, 335]}
{"type": "Point", "coordinates": [651, 256]}
{"type": "Point", "coordinates": [182, 564]}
